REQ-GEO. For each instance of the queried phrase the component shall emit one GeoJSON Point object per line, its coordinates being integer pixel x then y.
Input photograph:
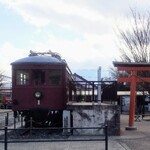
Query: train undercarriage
{"type": "Point", "coordinates": [41, 117]}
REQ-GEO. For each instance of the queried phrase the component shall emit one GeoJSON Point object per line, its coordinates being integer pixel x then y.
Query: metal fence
{"type": "Point", "coordinates": [7, 140]}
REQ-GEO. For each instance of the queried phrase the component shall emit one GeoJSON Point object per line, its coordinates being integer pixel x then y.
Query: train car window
{"type": "Point", "coordinates": [22, 77]}
{"type": "Point", "coordinates": [38, 77]}
{"type": "Point", "coordinates": [55, 77]}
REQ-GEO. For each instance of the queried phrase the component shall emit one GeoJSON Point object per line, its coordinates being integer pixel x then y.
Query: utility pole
{"type": "Point", "coordinates": [99, 86]}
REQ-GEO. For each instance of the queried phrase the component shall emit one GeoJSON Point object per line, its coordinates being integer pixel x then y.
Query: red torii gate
{"type": "Point", "coordinates": [133, 79]}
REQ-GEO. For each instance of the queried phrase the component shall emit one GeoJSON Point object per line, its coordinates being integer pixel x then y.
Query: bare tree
{"type": "Point", "coordinates": [135, 43]}
{"type": "Point", "coordinates": [136, 39]}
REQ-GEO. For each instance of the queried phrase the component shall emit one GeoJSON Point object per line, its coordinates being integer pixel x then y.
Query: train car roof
{"type": "Point", "coordinates": [39, 60]}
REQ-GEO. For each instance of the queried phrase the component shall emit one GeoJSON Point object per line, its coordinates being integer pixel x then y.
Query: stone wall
{"type": "Point", "coordinates": [96, 116]}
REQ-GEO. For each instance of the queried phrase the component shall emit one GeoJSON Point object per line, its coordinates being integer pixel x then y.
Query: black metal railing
{"type": "Point", "coordinates": [7, 137]}
{"type": "Point", "coordinates": [7, 140]}
{"type": "Point", "coordinates": [88, 91]}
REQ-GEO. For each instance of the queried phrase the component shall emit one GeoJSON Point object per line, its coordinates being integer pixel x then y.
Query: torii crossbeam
{"type": "Point", "coordinates": [133, 79]}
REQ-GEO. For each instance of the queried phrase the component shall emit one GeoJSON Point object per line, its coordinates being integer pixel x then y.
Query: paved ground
{"type": "Point", "coordinates": [128, 140]}
{"type": "Point", "coordinates": [65, 146]}
{"type": "Point", "coordinates": [137, 139]}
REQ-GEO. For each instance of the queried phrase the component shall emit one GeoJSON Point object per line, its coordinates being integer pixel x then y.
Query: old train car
{"type": "Point", "coordinates": [39, 88]}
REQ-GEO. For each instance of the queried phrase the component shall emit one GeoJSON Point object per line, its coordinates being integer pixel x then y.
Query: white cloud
{"type": "Point", "coordinates": [70, 15]}
{"type": "Point", "coordinates": [89, 53]}
{"type": "Point", "coordinates": [8, 54]}
{"type": "Point", "coordinates": [93, 20]}
{"type": "Point", "coordinates": [41, 13]}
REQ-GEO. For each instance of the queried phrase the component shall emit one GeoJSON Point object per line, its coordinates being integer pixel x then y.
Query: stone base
{"type": "Point", "coordinates": [131, 128]}
{"type": "Point", "coordinates": [89, 115]}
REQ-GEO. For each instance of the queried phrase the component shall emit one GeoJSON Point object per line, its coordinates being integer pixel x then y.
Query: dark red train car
{"type": "Point", "coordinates": [39, 84]}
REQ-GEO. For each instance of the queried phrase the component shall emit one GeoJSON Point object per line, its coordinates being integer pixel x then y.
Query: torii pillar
{"type": "Point", "coordinates": [133, 79]}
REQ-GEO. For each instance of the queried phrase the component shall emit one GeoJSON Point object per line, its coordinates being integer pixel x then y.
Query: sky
{"type": "Point", "coordinates": [81, 31]}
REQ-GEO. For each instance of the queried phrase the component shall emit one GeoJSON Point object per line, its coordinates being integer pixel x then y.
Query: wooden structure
{"type": "Point", "coordinates": [133, 79]}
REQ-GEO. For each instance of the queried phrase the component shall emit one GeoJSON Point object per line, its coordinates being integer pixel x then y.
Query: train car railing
{"type": "Point", "coordinates": [88, 91]}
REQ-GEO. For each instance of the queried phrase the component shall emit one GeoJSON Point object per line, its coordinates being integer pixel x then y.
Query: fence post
{"type": "Point", "coordinates": [106, 137]}
{"type": "Point", "coordinates": [5, 140]}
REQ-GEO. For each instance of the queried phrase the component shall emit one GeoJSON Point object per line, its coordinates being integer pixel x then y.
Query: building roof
{"type": "Point", "coordinates": [78, 77]}
{"type": "Point", "coordinates": [130, 64]}
{"type": "Point", "coordinates": [128, 93]}
{"type": "Point", "coordinates": [39, 60]}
